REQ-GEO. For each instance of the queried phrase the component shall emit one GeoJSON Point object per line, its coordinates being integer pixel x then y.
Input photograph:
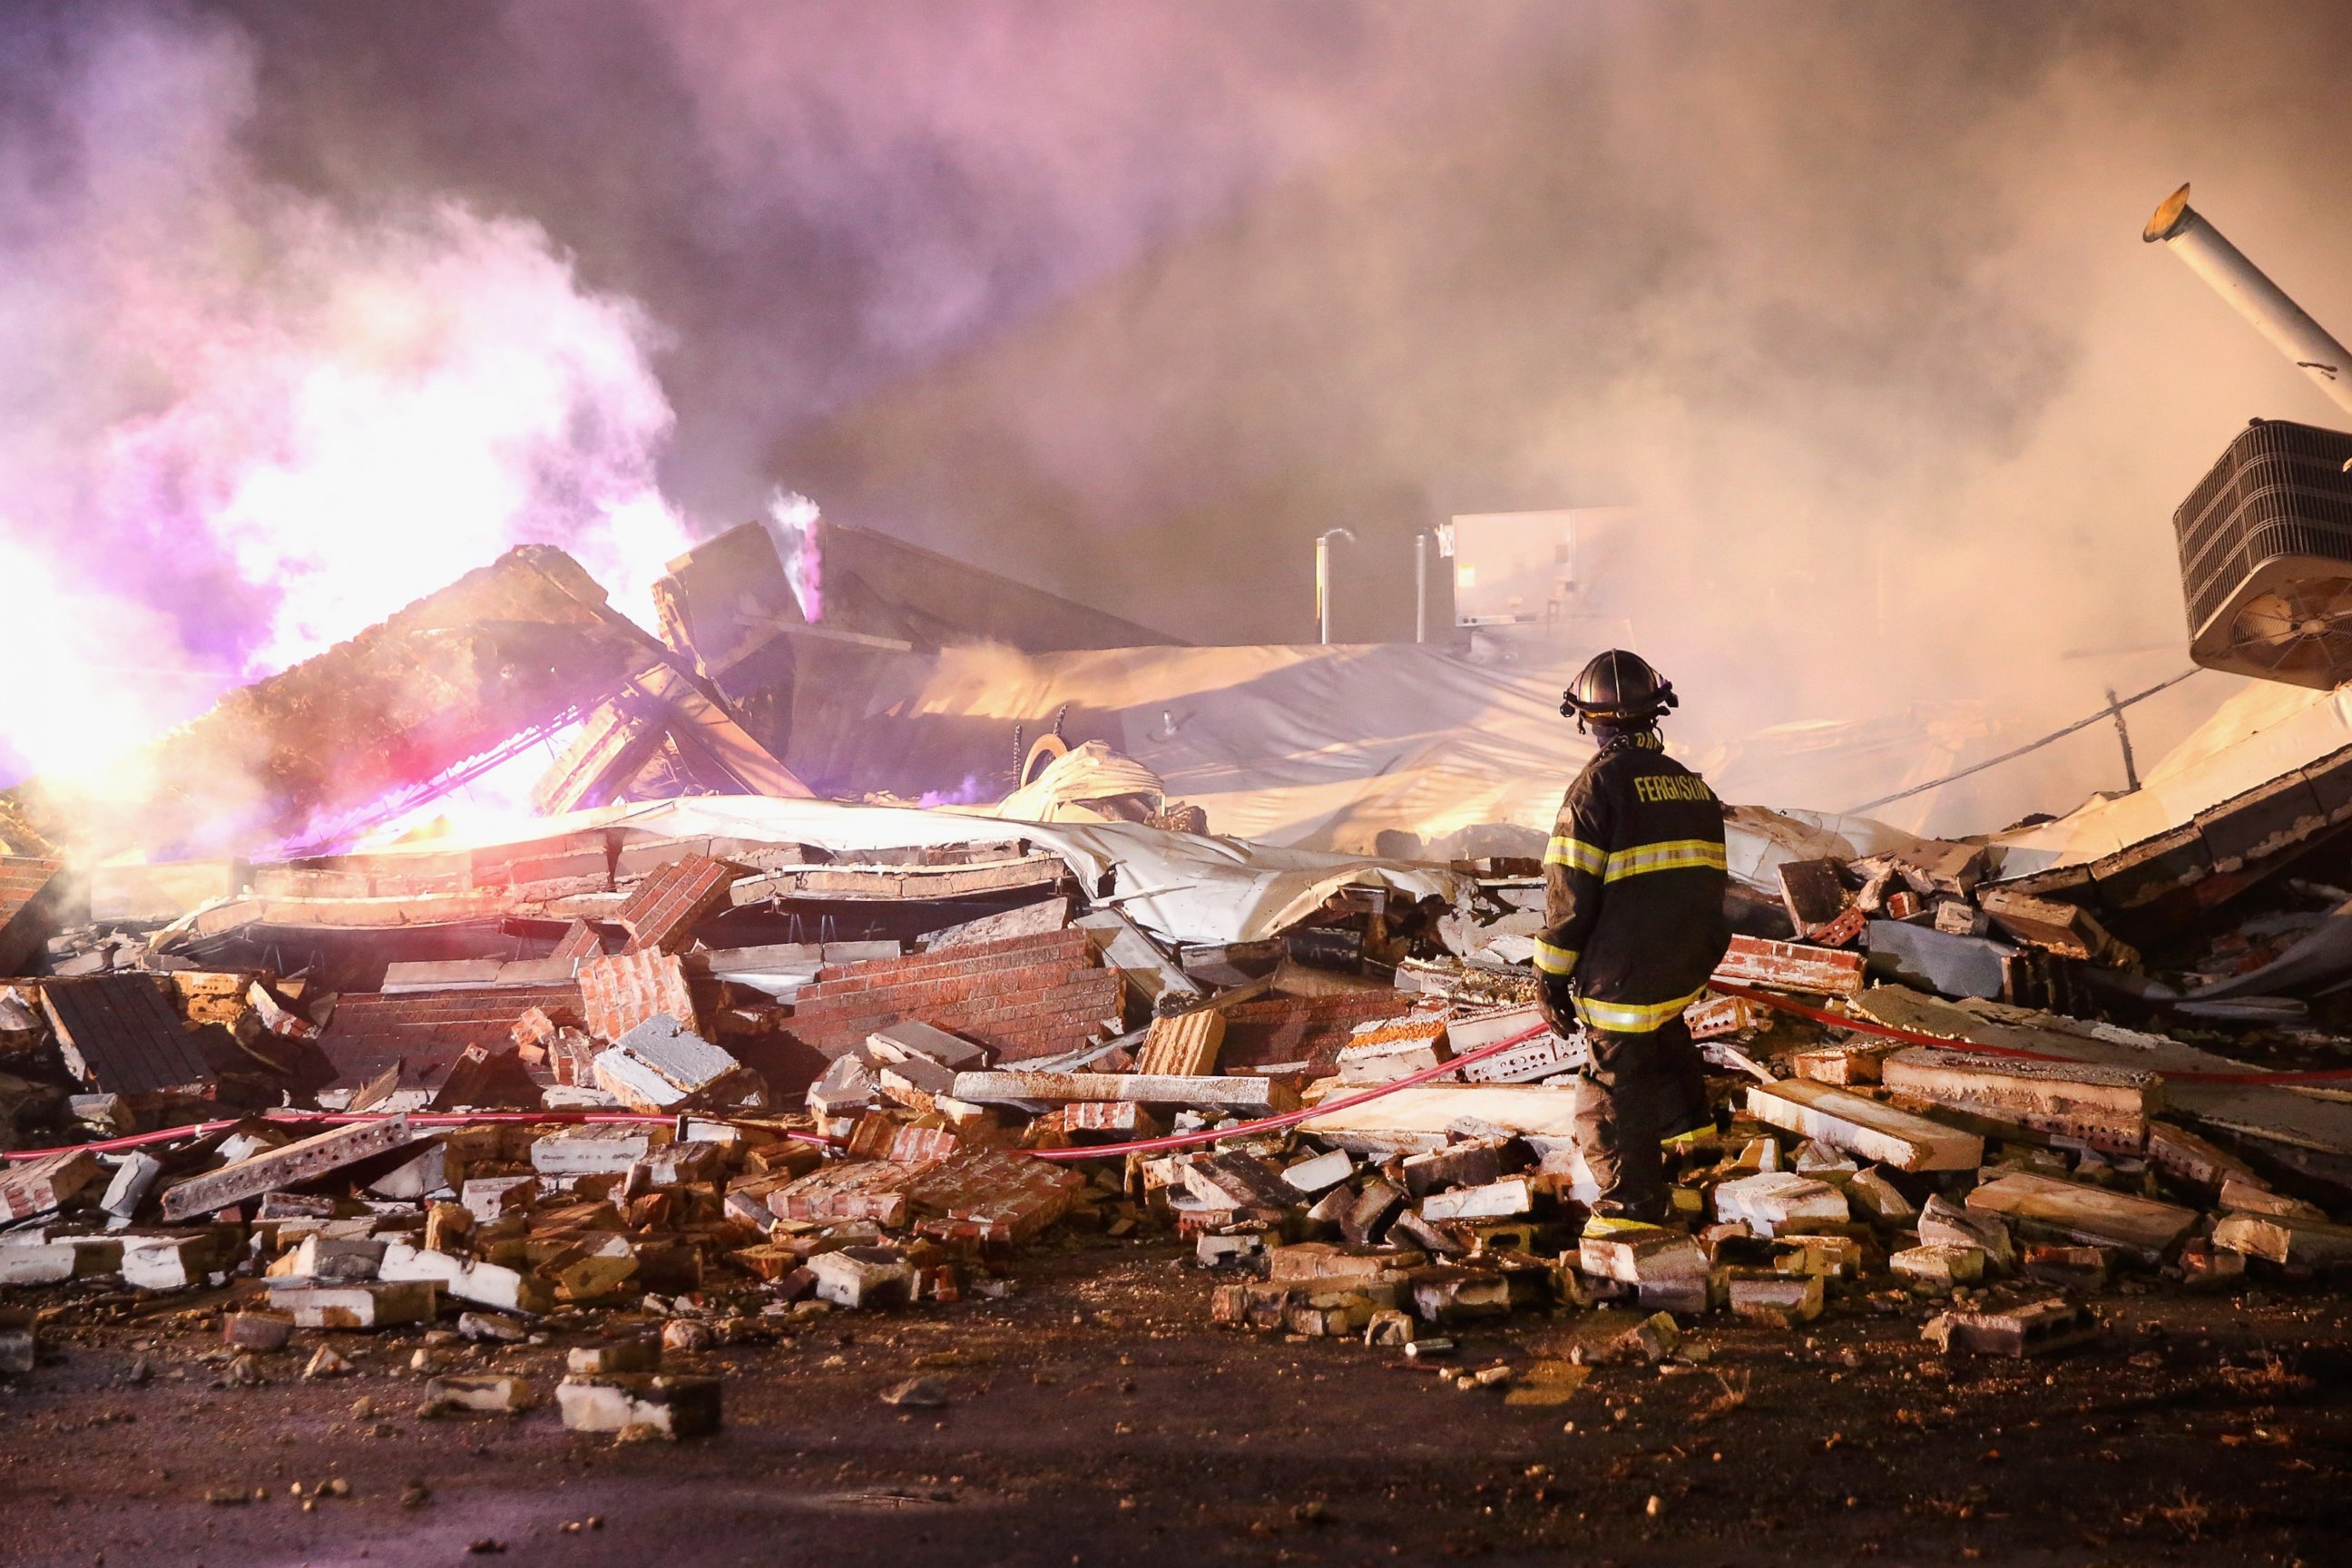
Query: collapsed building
{"type": "Point", "coordinates": [854, 944]}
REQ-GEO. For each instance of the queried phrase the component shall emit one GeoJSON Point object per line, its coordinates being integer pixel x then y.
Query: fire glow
{"type": "Point", "coordinates": [266, 423]}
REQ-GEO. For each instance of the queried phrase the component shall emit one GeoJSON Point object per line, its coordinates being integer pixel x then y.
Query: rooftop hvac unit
{"type": "Point", "coordinates": [2266, 556]}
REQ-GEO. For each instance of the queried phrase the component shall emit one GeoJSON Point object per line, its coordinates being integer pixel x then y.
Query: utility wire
{"type": "Point", "coordinates": [2107, 712]}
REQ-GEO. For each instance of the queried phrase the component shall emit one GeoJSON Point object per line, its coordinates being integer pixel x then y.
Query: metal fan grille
{"type": "Point", "coordinates": [2297, 627]}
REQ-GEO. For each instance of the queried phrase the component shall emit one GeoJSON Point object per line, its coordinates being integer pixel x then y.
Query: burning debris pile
{"type": "Point", "coordinates": [672, 1074]}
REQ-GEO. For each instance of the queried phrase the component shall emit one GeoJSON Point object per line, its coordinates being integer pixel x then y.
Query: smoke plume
{"type": "Point", "coordinates": [1135, 300]}
{"type": "Point", "coordinates": [244, 422]}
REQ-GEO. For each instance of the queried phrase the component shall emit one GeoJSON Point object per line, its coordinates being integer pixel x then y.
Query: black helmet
{"type": "Point", "coordinates": [1619, 689]}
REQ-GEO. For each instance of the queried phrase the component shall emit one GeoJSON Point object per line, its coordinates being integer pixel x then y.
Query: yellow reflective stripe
{"type": "Point", "coordinates": [1633, 1017]}
{"type": "Point", "coordinates": [1576, 855]}
{"type": "Point", "coordinates": [1550, 959]}
{"type": "Point", "coordinates": [1667, 855]}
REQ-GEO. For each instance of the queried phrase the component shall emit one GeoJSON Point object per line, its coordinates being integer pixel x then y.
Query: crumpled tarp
{"type": "Point", "coordinates": [2321, 955]}
{"type": "Point", "coordinates": [2265, 732]}
{"type": "Point", "coordinates": [1398, 749]}
{"type": "Point", "coordinates": [1074, 785]}
{"type": "Point", "coordinates": [1184, 887]}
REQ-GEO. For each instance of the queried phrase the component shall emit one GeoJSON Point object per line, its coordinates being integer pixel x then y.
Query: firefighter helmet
{"type": "Point", "coordinates": [1619, 689]}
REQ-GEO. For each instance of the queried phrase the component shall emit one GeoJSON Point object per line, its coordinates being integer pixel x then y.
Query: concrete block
{"type": "Point", "coordinates": [2037, 1329]}
{"type": "Point", "coordinates": [1936, 1267]}
{"type": "Point", "coordinates": [1320, 1173]}
{"type": "Point", "coordinates": [660, 1064]}
{"type": "Point", "coordinates": [592, 1150]}
{"type": "Point", "coordinates": [372, 1306]}
{"type": "Point", "coordinates": [1496, 1200]}
{"type": "Point", "coordinates": [1879, 1197]}
{"type": "Point", "coordinates": [1771, 1201]}
{"type": "Point", "coordinates": [909, 1040]}
{"type": "Point", "coordinates": [636, 1353]}
{"type": "Point", "coordinates": [492, 1394]}
{"type": "Point", "coordinates": [1781, 1300]}
{"type": "Point", "coordinates": [491, 1198]}
{"type": "Point", "coordinates": [170, 1262]}
{"type": "Point", "coordinates": [654, 1404]}
{"type": "Point", "coordinates": [257, 1331]}
{"type": "Point", "coordinates": [862, 1277]}
{"type": "Point", "coordinates": [484, 1283]}
{"type": "Point", "coordinates": [131, 1180]}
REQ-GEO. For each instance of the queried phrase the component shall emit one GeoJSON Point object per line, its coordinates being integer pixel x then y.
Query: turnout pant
{"type": "Point", "coordinates": [1639, 1090]}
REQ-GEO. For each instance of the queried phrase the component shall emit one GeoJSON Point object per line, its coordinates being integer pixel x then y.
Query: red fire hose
{"type": "Point", "coordinates": [1206, 1134]}
{"type": "Point", "coordinates": [1088, 1152]}
{"type": "Point", "coordinates": [1952, 1043]}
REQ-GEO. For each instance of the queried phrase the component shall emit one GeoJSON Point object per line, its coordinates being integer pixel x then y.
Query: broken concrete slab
{"type": "Point", "coordinates": [910, 1039]}
{"type": "Point", "coordinates": [483, 1283]}
{"type": "Point", "coordinates": [1879, 1197]}
{"type": "Point", "coordinates": [305, 1160]}
{"type": "Point", "coordinates": [861, 1277]}
{"type": "Point", "coordinates": [2067, 930]}
{"type": "Point", "coordinates": [592, 1150]}
{"type": "Point", "coordinates": [628, 1353]}
{"type": "Point", "coordinates": [2106, 1107]}
{"type": "Point", "coordinates": [1844, 1119]}
{"type": "Point", "coordinates": [493, 1393]}
{"type": "Point", "coordinates": [2291, 1240]}
{"type": "Point", "coordinates": [1420, 1119]}
{"type": "Point", "coordinates": [2094, 1217]}
{"type": "Point", "coordinates": [661, 1065]}
{"type": "Point", "coordinates": [1155, 976]}
{"type": "Point", "coordinates": [1028, 920]}
{"type": "Point", "coordinates": [1386, 1051]}
{"type": "Point", "coordinates": [1638, 1253]}
{"type": "Point", "coordinates": [1237, 1181]}
{"type": "Point", "coordinates": [1319, 1173]}
{"type": "Point", "coordinates": [1263, 1095]}
{"type": "Point", "coordinates": [1843, 1063]}
{"type": "Point", "coordinates": [1930, 960]}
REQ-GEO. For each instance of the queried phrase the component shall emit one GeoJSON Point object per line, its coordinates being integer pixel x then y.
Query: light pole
{"type": "Point", "coordinates": [1323, 578]}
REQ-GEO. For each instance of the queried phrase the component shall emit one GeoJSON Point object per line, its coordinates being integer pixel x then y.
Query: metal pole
{"type": "Point", "coordinates": [1421, 587]}
{"type": "Point", "coordinates": [2123, 733]}
{"type": "Point", "coordinates": [1323, 588]}
{"type": "Point", "coordinates": [2260, 301]}
{"type": "Point", "coordinates": [1323, 579]}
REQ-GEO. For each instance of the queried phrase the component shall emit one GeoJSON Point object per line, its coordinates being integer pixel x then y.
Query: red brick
{"type": "Point", "coordinates": [369, 1029]}
{"type": "Point", "coordinates": [664, 911]}
{"type": "Point", "coordinates": [1302, 1029]}
{"type": "Point", "coordinates": [622, 990]}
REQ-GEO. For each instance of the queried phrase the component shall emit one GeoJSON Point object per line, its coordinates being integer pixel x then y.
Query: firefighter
{"type": "Point", "coordinates": [1634, 924]}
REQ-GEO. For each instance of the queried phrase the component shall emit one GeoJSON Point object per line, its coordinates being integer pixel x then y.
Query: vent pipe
{"type": "Point", "coordinates": [2265, 303]}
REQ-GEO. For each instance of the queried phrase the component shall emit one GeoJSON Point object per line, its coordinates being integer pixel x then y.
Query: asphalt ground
{"type": "Point", "coordinates": [1096, 1416]}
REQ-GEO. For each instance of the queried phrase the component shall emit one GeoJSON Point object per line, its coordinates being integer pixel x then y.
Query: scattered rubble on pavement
{"type": "Point", "coordinates": [643, 1086]}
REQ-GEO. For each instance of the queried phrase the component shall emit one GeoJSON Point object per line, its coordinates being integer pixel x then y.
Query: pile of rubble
{"type": "Point", "coordinates": [695, 1071]}
{"type": "Point", "coordinates": [1366, 1138]}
